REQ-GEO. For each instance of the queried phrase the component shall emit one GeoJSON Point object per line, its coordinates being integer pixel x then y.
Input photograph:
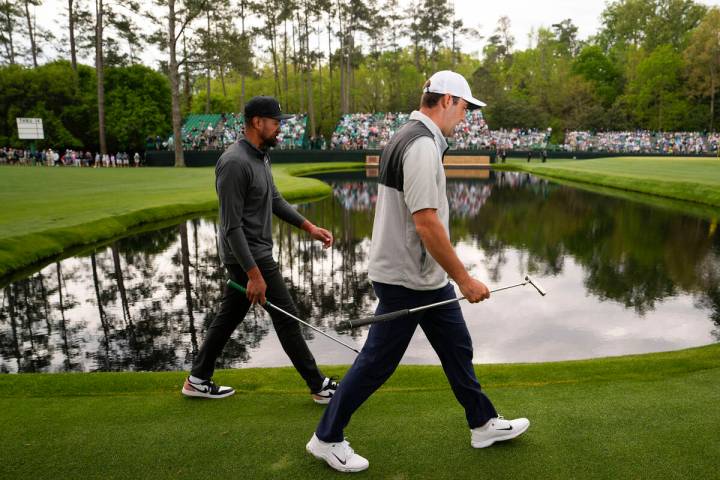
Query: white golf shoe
{"type": "Point", "coordinates": [496, 430]}
{"type": "Point", "coordinates": [338, 455]}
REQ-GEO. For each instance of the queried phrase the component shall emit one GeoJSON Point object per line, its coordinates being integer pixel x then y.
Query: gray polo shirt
{"type": "Point", "coordinates": [397, 255]}
{"type": "Point", "coordinates": [247, 200]}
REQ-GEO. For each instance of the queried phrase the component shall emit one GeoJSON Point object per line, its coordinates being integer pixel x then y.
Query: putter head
{"type": "Point", "coordinates": [537, 286]}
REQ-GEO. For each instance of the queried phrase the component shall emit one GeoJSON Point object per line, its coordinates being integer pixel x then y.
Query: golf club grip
{"type": "Point", "coordinates": [378, 318]}
{"type": "Point", "coordinates": [236, 286]}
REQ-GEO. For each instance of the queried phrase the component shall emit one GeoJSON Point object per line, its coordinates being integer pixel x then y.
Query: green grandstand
{"type": "Point", "coordinates": [217, 130]}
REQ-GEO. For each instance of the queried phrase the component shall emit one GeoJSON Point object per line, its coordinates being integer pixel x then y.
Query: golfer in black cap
{"type": "Point", "coordinates": [248, 199]}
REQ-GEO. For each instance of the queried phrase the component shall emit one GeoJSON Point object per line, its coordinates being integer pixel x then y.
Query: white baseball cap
{"type": "Point", "coordinates": [451, 83]}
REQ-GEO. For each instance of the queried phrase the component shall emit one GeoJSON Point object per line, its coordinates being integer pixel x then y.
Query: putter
{"type": "Point", "coordinates": [237, 286]}
{"type": "Point", "coordinates": [401, 313]}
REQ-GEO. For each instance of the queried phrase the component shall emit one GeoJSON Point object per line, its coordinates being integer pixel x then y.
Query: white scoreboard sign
{"type": "Point", "coordinates": [30, 129]}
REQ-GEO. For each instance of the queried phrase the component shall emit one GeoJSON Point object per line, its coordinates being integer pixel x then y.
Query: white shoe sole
{"type": "Point", "coordinates": [191, 393]}
{"type": "Point", "coordinates": [333, 462]}
{"type": "Point", "coordinates": [509, 436]}
{"type": "Point", "coordinates": [321, 400]}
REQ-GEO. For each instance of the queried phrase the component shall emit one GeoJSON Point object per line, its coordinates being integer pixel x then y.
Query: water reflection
{"type": "Point", "coordinates": [623, 278]}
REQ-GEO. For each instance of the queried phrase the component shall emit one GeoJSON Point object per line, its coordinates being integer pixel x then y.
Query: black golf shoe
{"type": "Point", "coordinates": [326, 393]}
{"type": "Point", "coordinates": [206, 389]}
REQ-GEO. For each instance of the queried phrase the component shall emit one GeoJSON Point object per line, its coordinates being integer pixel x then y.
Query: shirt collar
{"type": "Point", "coordinates": [427, 121]}
{"type": "Point", "coordinates": [259, 153]}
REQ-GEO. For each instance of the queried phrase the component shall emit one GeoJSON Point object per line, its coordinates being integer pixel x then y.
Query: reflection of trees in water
{"type": "Point", "coordinates": [328, 285]}
{"type": "Point", "coordinates": [710, 297]}
{"type": "Point", "coordinates": [204, 298]}
{"type": "Point", "coordinates": [24, 338]}
{"type": "Point", "coordinates": [71, 340]}
{"type": "Point", "coordinates": [631, 253]}
{"type": "Point", "coordinates": [145, 302]}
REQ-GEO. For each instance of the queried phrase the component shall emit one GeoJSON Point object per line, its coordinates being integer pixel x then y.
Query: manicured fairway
{"type": "Point", "coordinates": [681, 178]}
{"type": "Point", "coordinates": [648, 416]}
{"type": "Point", "coordinates": [46, 210]}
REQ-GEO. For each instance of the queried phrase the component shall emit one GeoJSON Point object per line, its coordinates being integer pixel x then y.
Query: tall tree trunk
{"type": "Point", "coordinates": [286, 83]}
{"type": "Point", "coordinates": [712, 102]}
{"type": "Point", "coordinates": [131, 52]}
{"type": "Point", "coordinates": [31, 34]}
{"type": "Point", "coordinates": [302, 64]}
{"type": "Point", "coordinates": [343, 58]}
{"type": "Point", "coordinates": [175, 87]}
{"type": "Point", "coordinates": [350, 74]}
{"type": "Point", "coordinates": [308, 76]}
{"type": "Point", "coordinates": [242, 74]}
{"type": "Point", "coordinates": [187, 97]}
{"type": "Point", "coordinates": [71, 26]}
{"type": "Point", "coordinates": [273, 51]}
{"type": "Point", "coordinates": [321, 104]}
{"type": "Point", "coordinates": [100, 75]}
{"type": "Point", "coordinates": [207, 69]}
{"type": "Point", "coordinates": [222, 79]}
{"type": "Point", "coordinates": [330, 68]}
{"type": "Point", "coordinates": [9, 44]}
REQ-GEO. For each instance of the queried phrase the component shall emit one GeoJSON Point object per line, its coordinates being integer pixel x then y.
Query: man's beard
{"type": "Point", "coordinates": [270, 142]}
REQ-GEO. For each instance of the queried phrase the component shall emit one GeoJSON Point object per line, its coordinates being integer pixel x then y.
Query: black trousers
{"type": "Point", "coordinates": [385, 346]}
{"type": "Point", "coordinates": [233, 309]}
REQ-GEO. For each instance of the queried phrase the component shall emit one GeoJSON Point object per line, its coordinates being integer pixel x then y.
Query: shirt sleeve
{"type": "Point", "coordinates": [232, 185]}
{"type": "Point", "coordinates": [283, 210]}
{"type": "Point", "coordinates": [419, 175]}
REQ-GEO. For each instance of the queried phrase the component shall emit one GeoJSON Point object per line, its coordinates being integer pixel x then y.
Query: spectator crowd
{"type": "Point", "coordinates": [73, 158]}
{"type": "Point", "coordinates": [220, 132]}
{"type": "Point", "coordinates": [372, 131]}
{"type": "Point", "coordinates": [366, 131]}
{"type": "Point", "coordinates": [642, 141]}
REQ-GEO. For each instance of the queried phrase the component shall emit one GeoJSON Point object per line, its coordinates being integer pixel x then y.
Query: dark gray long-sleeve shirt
{"type": "Point", "coordinates": [247, 200]}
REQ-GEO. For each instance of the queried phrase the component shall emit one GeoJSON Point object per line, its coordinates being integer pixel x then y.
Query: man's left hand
{"type": "Point", "coordinates": [322, 235]}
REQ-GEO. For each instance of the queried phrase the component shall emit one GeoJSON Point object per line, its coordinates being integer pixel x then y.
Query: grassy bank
{"type": "Point", "coordinates": [646, 416]}
{"type": "Point", "coordinates": [48, 210]}
{"type": "Point", "coordinates": [681, 178]}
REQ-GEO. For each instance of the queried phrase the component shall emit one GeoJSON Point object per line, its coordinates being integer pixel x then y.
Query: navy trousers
{"type": "Point", "coordinates": [385, 346]}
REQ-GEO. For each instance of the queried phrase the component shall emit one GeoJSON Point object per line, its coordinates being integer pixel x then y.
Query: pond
{"type": "Point", "coordinates": [622, 277]}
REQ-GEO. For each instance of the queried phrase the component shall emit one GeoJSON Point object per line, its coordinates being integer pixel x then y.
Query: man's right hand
{"type": "Point", "coordinates": [256, 286]}
{"type": "Point", "coordinates": [474, 290]}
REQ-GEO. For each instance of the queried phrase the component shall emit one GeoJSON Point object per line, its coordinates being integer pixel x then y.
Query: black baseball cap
{"type": "Point", "coordinates": [267, 107]}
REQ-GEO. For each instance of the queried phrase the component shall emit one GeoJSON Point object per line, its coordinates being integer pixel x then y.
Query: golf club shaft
{"type": "Point", "coordinates": [401, 313]}
{"type": "Point", "coordinates": [451, 300]}
{"type": "Point", "coordinates": [239, 287]}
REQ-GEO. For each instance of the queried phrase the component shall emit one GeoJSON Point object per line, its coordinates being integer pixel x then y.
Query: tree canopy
{"type": "Point", "coordinates": [653, 64]}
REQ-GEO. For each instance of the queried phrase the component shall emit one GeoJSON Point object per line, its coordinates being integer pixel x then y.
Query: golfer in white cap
{"type": "Point", "coordinates": [411, 258]}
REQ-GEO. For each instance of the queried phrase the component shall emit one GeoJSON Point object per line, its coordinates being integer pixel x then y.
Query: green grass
{"type": "Point", "coordinates": [643, 416]}
{"type": "Point", "coordinates": [680, 178]}
{"type": "Point", "coordinates": [46, 211]}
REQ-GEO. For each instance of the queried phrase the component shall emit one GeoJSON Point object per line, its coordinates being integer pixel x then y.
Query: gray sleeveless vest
{"type": "Point", "coordinates": [391, 164]}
